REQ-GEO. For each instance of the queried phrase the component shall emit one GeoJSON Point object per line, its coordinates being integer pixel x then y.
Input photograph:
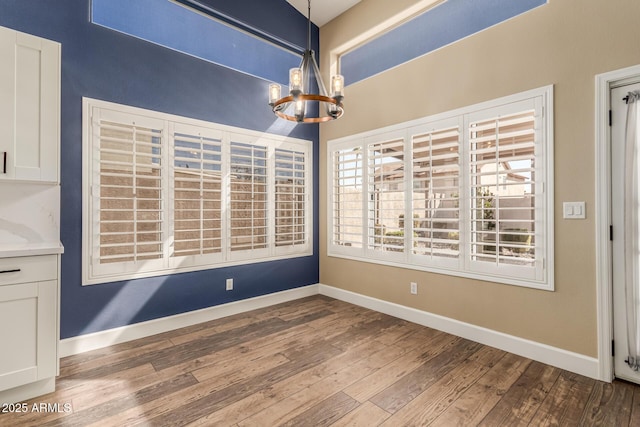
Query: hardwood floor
{"type": "Point", "coordinates": [320, 362]}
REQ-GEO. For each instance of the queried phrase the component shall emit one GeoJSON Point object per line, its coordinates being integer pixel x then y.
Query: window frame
{"type": "Point", "coordinates": [541, 274]}
{"type": "Point", "coordinates": [172, 126]}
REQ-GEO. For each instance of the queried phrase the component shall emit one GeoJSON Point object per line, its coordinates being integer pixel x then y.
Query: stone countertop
{"type": "Point", "coordinates": [10, 250]}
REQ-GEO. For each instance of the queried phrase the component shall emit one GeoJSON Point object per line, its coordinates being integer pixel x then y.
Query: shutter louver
{"type": "Point", "coordinates": [435, 194]}
{"type": "Point", "coordinates": [290, 198]}
{"type": "Point", "coordinates": [197, 195]}
{"type": "Point", "coordinates": [248, 197]}
{"type": "Point", "coordinates": [130, 188]}
{"type": "Point", "coordinates": [386, 195]}
{"type": "Point", "coordinates": [502, 162]}
{"type": "Point", "coordinates": [347, 198]}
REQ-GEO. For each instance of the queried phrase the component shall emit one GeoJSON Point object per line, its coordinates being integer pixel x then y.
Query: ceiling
{"type": "Point", "coordinates": [323, 11]}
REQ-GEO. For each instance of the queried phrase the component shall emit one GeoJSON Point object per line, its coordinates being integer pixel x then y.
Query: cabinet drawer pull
{"type": "Point", "coordinates": [4, 162]}
{"type": "Point", "coordinates": [15, 270]}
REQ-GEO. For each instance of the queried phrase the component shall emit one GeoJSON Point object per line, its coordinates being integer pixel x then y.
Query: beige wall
{"type": "Point", "coordinates": [564, 43]}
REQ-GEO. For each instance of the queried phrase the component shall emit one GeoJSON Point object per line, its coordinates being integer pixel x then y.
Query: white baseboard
{"type": "Point", "coordinates": [93, 341]}
{"type": "Point", "coordinates": [570, 361]}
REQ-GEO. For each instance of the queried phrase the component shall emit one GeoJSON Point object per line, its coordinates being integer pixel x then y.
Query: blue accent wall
{"type": "Point", "coordinates": [105, 64]}
{"type": "Point", "coordinates": [446, 23]}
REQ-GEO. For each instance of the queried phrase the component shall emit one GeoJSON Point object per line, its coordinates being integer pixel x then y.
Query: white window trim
{"type": "Point", "coordinates": [169, 265]}
{"type": "Point", "coordinates": [545, 280]}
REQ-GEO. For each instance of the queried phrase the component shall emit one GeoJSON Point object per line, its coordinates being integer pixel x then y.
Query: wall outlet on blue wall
{"type": "Point", "coordinates": [229, 284]}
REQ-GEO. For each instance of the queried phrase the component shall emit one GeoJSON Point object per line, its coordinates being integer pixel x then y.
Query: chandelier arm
{"type": "Point", "coordinates": [321, 87]}
{"type": "Point", "coordinates": [304, 66]}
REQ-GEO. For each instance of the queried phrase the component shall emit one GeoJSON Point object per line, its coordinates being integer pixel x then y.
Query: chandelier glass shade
{"type": "Point", "coordinates": [297, 106]}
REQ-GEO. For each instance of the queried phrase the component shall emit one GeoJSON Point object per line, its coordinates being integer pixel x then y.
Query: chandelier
{"type": "Point", "coordinates": [297, 105]}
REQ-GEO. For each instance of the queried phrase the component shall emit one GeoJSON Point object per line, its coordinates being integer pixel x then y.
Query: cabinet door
{"type": "Point", "coordinates": [28, 331]}
{"type": "Point", "coordinates": [29, 107]}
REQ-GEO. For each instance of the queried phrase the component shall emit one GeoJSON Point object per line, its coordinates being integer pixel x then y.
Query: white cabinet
{"type": "Point", "coordinates": [29, 107]}
{"type": "Point", "coordinates": [29, 214]}
{"type": "Point", "coordinates": [29, 320]}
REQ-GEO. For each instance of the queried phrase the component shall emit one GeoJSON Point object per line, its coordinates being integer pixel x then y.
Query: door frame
{"type": "Point", "coordinates": [604, 253]}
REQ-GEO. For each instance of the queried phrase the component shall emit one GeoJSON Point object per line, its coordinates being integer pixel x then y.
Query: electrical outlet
{"type": "Point", "coordinates": [414, 288]}
{"type": "Point", "coordinates": [229, 284]}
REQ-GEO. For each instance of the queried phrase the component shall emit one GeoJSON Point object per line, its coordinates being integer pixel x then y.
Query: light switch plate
{"type": "Point", "coordinates": [574, 210]}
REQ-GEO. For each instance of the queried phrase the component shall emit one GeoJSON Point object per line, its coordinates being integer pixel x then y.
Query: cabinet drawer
{"type": "Point", "coordinates": [28, 269]}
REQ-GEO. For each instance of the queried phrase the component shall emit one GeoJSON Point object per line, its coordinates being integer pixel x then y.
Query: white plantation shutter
{"type": "Point", "coordinates": [197, 194]}
{"type": "Point", "coordinates": [347, 197]}
{"type": "Point", "coordinates": [165, 194]}
{"type": "Point", "coordinates": [248, 192]}
{"type": "Point", "coordinates": [506, 194]}
{"type": "Point", "coordinates": [436, 189]}
{"type": "Point", "coordinates": [128, 202]}
{"type": "Point", "coordinates": [386, 198]}
{"type": "Point", "coordinates": [290, 198]}
{"type": "Point", "coordinates": [464, 193]}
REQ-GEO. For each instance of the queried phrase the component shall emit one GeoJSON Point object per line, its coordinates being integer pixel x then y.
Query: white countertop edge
{"type": "Point", "coordinates": [30, 249]}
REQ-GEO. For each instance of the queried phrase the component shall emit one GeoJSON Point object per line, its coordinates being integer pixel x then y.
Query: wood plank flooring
{"type": "Point", "coordinates": [321, 362]}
